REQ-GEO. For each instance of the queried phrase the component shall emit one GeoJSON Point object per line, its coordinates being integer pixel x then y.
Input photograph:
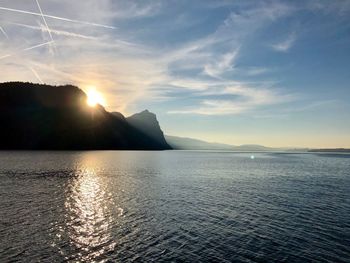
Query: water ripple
{"type": "Point", "coordinates": [173, 206]}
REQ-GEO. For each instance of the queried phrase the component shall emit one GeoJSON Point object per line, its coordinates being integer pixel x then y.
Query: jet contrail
{"type": "Point", "coordinates": [36, 75]}
{"type": "Point", "coordinates": [4, 32]}
{"type": "Point", "coordinates": [55, 17]}
{"type": "Point", "coordinates": [36, 46]}
{"type": "Point", "coordinates": [57, 32]}
{"type": "Point", "coordinates": [26, 49]}
{"type": "Point", "coordinates": [6, 56]}
{"type": "Point", "coordinates": [43, 17]}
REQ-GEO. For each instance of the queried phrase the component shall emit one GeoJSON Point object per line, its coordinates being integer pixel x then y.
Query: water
{"type": "Point", "coordinates": [174, 206]}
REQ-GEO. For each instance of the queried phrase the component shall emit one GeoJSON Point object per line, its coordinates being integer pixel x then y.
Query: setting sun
{"type": "Point", "coordinates": [94, 98]}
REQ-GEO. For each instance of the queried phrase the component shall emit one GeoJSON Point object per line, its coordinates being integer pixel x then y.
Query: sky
{"type": "Point", "coordinates": [275, 73]}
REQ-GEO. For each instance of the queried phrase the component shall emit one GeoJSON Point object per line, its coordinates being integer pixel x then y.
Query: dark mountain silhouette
{"type": "Point", "coordinates": [34, 116]}
{"type": "Point", "coordinates": [118, 115]}
{"type": "Point", "coordinates": [147, 122]}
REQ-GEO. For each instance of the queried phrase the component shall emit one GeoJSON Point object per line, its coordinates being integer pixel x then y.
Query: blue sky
{"type": "Point", "coordinates": [240, 72]}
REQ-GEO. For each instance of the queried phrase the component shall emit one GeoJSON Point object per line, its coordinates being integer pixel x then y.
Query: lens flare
{"type": "Point", "coordinates": [94, 98]}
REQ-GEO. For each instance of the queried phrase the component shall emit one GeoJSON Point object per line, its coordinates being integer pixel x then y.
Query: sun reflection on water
{"type": "Point", "coordinates": [89, 216]}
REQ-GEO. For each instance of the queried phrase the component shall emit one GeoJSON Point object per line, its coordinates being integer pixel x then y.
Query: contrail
{"type": "Point", "coordinates": [6, 56]}
{"type": "Point", "coordinates": [55, 17]}
{"type": "Point", "coordinates": [43, 17]}
{"type": "Point", "coordinates": [36, 46]}
{"type": "Point", "coordinates": [26, 49]}
{"type": "Point", "coordinates": [36, 75]}
{"type": "Point", "coordinates": [57, 32]}
{"type": "Point", "coordinates": [4, 32]}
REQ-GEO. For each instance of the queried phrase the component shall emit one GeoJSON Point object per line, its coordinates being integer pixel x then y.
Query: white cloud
{"type": "Point", "coordinates": [125, 67]}
{"type": "Point", "coordinates": [3, 32]}
{"type": "Point", "coordinates": [43, 28]}
{"type": "Point", "coordinates": [244, 99]}
{"type": "Point", "coordinates": [130, 9]}
{"type": "Point", "coordinates": [226, 63]}
{"type": "Point", "coordinates": [36, 75]}
{"type": "Point", "coordinates": [254, 71]}
{"type": "Point", "coordinates": [286, 44]}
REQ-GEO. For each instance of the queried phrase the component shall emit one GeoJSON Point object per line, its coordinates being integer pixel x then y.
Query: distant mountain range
{"type": "Point", "coordinates": [34, 116]}
{"type": "Point", "coordinates": [331, 150]}
{"type": "Point", "coordinates": [182, 143]}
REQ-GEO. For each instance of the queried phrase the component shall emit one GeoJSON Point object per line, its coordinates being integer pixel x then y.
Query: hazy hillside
{"type": "Point", "coordinates": [182, 143]}
{"type": "Point", "coordinates": [334, 150]}
{"type": "Point", "coordinates": [254, 147]}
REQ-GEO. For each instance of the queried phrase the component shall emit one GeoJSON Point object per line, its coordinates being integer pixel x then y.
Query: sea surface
{"type": "Point", "coordinates": [174, 206]}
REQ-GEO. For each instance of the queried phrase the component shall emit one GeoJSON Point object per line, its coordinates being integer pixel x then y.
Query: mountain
{"type": "Point", "coordinates": [254, 147]}
{"type": "Point", "coordinates": [182, 143]}
{"type": "Point", "coordinates": [34, 116]}
{"type": "Point", "coordinates": [118, 115]}
{"type": "Point", "coordinates": [331, 150]}
{"type": "Point", "coordinates": [147, 122]}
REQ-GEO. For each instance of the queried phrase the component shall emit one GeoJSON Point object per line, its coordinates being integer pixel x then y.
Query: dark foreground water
{"type": "Point", "coordinates": [174, 206]}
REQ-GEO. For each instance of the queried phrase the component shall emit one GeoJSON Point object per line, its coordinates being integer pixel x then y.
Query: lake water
{"type": "Point", "coordinates": [182, 206]}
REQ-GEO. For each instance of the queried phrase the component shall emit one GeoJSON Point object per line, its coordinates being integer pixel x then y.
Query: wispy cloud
{"type": "Point", "coordinates": [237, 99]}
{"type": "Point", "coordinates": [132, 9]}
{"type": "Point", "coordinates": [56, 17]}
{"type": "Point", "coordinates": [4, 32]}
{"type": "Point", "coordinates": [36, 75]}
{"type": "Point", "coordinates": [254, 71]}
{"type": "Point", "coordinates": [286, 44]}
{"type": "Point", "coordinates": [51, 47]}
{"type": "Point", "coordinates": [217, 56]}
{"type": "Point", "coordinates": [26, 49]}
{"type": "Point", "coordinates": [43, 17]}
{"type": "Point", "coordinates": [141, 62]}
{"type": "Point", "coordinates": [224, 64]}
{"type": "Point", "coordinates": [134, 71]}
{"type": "Point", "coordinates": [56, 32]}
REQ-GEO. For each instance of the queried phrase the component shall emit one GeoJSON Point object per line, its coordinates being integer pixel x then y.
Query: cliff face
{"type": "Point", "coordinates": [36, 116]}
{"type": "Point", "coordinates": [147, 122]}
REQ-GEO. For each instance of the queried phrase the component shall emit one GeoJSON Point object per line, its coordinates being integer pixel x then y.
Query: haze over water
{"type": "Point", "coordinates": [174, 206]}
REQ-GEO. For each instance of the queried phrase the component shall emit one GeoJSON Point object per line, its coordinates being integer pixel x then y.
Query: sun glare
{"type": "Point", "coordinates": [94, 98]}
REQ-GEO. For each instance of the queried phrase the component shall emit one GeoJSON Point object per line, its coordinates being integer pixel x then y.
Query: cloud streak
{"type": "Point", "coordinates": [56, 17]}
{"type": "Point", "coordinates": [43, 17]}
{"type": "Point", "coordinates": [36, 75]}
{"type": "Point", "coordinates": [26, 49]}
{"type": "Point", "coordinates": [142, 63]}
{"type": "Point", "coordinates": [236, 100]}
{"type": "Point", "coordinates": [221, 66]}
{"type": "Point", "coordinates": [4, 32]}
{"type": "Point", "coordinates": [56, 32]}
{"type": "Point", "coordinates": [286, 44]}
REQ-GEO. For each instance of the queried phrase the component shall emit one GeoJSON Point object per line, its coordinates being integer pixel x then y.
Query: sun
{"type": "Point", "coordinates": [94, 98]}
